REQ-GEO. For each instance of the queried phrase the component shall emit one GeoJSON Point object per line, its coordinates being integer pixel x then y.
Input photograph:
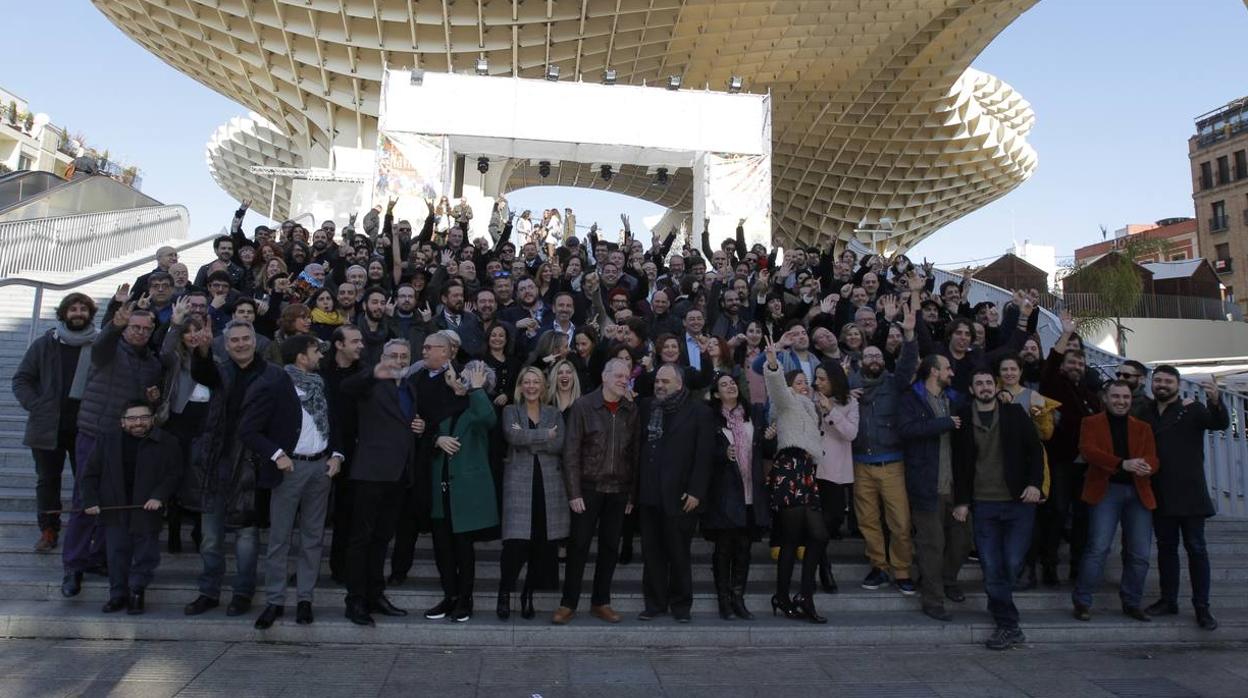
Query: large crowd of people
{"type": "Point", "coordinates": [552, 391]}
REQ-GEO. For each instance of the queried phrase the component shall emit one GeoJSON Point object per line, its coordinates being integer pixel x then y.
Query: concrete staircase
{"type": "Point", "coordinates": [31, 604]}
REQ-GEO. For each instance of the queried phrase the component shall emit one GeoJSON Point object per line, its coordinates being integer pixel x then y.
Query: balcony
{"type": "Point", "coordinates": [1222, 266]}
{"type": "Point", "coordinates": [1155, 306]}
{"type": "Point", "coordinates": [1220, 223]}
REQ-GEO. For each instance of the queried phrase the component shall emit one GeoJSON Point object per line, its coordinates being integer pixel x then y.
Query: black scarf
{"type": "Point", "coordinates": [662, 409]}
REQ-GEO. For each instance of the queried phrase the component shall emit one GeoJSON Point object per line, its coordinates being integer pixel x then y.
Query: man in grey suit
{"type": "Point", "coordinates": [382, 470]}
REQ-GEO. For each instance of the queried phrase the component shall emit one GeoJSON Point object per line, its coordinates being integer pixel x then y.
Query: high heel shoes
{"type": "Point", "coordinates": [806, 609]}
{"type": "Point", "coordinates": [782, 604]}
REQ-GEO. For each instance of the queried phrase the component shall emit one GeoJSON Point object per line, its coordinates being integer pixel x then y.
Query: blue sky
{"type": "Point", "coordinates": [1115, 85]}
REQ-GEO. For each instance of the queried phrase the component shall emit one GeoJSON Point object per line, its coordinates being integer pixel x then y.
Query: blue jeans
{"type": "Point", "coordinates": [1002, 537]}
{"type": "Point", "coordinates": [1121, 504]}
{"type": "Point", "coordinates": [246, 553]}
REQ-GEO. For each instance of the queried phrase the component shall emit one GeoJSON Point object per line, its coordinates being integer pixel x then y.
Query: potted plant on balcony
{"type": "Point", "coordinates": [12, 113]}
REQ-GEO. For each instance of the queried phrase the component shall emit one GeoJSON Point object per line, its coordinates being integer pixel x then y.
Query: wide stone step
{"type": "Point", "coordinates": [41, 619]}
{"type": "Point", "coordinates": [32, 584]}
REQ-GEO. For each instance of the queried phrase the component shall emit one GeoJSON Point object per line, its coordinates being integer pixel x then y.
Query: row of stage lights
{"type": "Point", "coordinates": [604, 171]}
{"type": "Point", "coordinates": [609, 77]}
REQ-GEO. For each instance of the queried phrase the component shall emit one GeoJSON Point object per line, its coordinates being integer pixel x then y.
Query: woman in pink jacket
{"type": "Point", "coordinates": [838, 417]}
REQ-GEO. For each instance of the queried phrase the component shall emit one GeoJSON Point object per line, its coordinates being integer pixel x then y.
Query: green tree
{"type": "Point", "coordinates": [1115, 287]}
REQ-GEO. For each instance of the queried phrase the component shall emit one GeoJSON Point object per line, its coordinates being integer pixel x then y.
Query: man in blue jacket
{"type": "Point", "coordinates": [928, 420]}
{"type": "Point", "coordinates": [879, 475]}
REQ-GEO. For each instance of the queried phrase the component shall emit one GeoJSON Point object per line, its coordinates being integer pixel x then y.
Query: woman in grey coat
{"type": "Point", "coordinates": [535, 504]}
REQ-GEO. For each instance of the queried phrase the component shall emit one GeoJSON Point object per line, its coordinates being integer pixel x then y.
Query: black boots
{"type": "Point", "coordinates": [826, 580]}
{"type": "Point", "coordinates": [721, 569]}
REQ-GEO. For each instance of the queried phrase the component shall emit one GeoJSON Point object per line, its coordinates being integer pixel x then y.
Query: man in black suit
{"type": "Point", "coordinates": [451, 316]}
{"type": "Point", "coordinates": [382, 473]}
{"type": "Point", "coordinates": [674, 471]}
{"type": "Point", "coordinates": [131, 467]}
{"type": "Point", "coordinates": [340, 363]}
{"type": "Point", "coordinates": [288, 425]}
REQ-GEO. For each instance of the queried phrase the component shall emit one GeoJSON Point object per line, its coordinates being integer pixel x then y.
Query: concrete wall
{"type": "Point", "coordinates": [1154, 339]}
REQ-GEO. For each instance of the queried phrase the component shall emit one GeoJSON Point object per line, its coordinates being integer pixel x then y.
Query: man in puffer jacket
{"type": "Point", "coordinates": [879, 474]}
{"type": "Point", "coordinates": [123, 369]}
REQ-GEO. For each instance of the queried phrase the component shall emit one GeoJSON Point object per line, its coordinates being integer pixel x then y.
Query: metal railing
{"type": "Point", "coordinates": [41, 286]}
{"type": "Point", "coordinates": [66, 243]}
{"type": "Point", "coordinates": [1226, 452]}
{"type": "Point", "coordinates": [1150, 306]}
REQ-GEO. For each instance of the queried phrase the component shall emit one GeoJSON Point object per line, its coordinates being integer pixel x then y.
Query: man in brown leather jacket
{"type": "Point", "coordinates": [599, 470]}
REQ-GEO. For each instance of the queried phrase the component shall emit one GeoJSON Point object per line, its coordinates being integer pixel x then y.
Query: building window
{"type": "Point", "coordinates": [1206, 175]}
{"type": "Point", "coordinates": [23, 162]}
{"type": "Point", "coordinates": [1222, 250]}
{"type": "Point", "coordinates": [1218, 221]}
{"type": "Point", "coordinates": [1224, 170]}
{"type": "Point", "coordinates": [1241, 164]}
{"type": "Point", "coordinates": [1178, 257]}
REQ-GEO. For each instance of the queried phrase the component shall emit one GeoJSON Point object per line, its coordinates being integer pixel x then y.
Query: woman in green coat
{"type": "Point", "coordinates": [463, 486]}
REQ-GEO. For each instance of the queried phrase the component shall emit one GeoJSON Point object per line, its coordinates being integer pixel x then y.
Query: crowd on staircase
{"type": "Point", "coordinates": [548, 391]}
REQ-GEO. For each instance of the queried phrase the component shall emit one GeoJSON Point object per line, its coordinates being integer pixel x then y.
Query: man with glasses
{"type": "Point", "coordinates": [130, 476]}
{"type": "Point", "coordinates": [123, 370]}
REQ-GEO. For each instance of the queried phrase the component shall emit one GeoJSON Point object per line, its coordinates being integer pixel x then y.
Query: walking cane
{"type": "Point", "coordinates": [122, 507]}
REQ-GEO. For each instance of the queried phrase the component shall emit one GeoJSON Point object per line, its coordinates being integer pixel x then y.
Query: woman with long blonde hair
{"type": "Point", "coordinates": [563, 386]}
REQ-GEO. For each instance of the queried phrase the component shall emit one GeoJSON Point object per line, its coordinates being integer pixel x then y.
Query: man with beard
{"type": "Point", "coordinates": [344, 300]}
{"type": "Point", "coordinates": [339, 363]}
{"type": "Point", "coordinates": [997, 473]}
{"type": "Point", "coordinates": [959, 347]}
{"type": "Point", "coordinates": [223, 247]}
{"type": "Point", "coordinates": [374, 325]}
{"type": "Point", "coordinates": [1122, 456]}
{"type": "Point", "coordinates": [673, 474]}
{"type": "Point", "coordinates": [503, 291]}
{"type": "Point", "coordinates": [730, 322]}
{"type": "Point", "coordinates": [929, 422]}
{"type": "Point", "coordinates": [134, 467]}
{"type": "Point", "coordinates": [879, 474]}
{"type": "Point", "coordinates": [49, 384]}
{"type": "Point", "coordinates": [528, 314]}
{"type": "Point", "coordinates": [1063, 380]}
{"type": "Point", "coordinates": [560, 319]}
{"type": "Point", "coordinates": [382, 476]}
{"type": "Point", "coordinates": [1182, 493]}
{"type": "Point", "coordinates": [220, 481]}
{"type": "Point", "coordinates": [451, 316]}
{"type": "Point", "coordinates": [1032, 358]}
{"type": "Point", "coordinates": [407, 322]}
{"type": "Point", "coordinates": [123, 369]}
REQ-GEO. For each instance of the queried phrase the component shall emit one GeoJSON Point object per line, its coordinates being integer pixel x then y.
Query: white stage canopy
{"type": "Point", "coordinates": [725, 139]}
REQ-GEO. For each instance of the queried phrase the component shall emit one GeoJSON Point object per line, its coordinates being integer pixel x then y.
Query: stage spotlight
{"type": "Point", "coordinates": [605, 172]}
{"type": "Point", "coordinates": [543, 168]}
{"type": "Point", "coordinates": [660, 176]}
{"type": "Point", "coordinates": [483, 165]}
{"type": "Point", "coordinates": [483, 67]}
{"type": "Point", "coordinates": [608, 78]}
{"type": "Point", "coordinates": [673, 83]}
{"type": "Point", "coordinates": [735, 83]}
{"type": "Point", "coordinates": [552, 73]}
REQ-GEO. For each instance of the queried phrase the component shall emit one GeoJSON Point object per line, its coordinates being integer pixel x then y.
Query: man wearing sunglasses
{"type": "Point", "coordinates": [1133, 373]}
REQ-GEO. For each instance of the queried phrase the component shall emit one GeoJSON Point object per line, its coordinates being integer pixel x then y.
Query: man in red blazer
{"type": "Point", "coordinates": [1122, 458]}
